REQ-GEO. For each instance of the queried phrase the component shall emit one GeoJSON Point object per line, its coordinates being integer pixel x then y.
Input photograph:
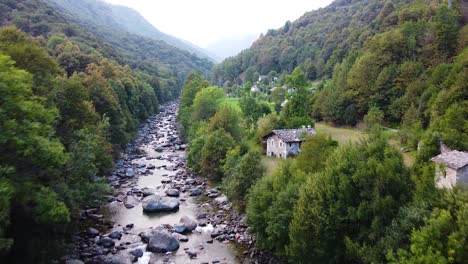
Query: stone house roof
{"type": "Point", "coordinates": [453, 159]}
{"type": "Point", "coordinates": [292, 135]}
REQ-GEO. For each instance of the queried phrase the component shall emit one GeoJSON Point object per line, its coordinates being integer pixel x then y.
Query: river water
{"type": "Point", "coordinates": [161, 151]}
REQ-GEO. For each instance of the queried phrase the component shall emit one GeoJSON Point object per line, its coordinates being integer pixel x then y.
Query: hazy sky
{"type": "Point", "coordinates": [203, 22]}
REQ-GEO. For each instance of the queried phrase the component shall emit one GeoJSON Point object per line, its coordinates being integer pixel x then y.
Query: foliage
{"type": "Point", "coordinates": [443, 236]}
{"type": "Point", "coordinates": [206, 103]}
{"type": "Point", "coordinates": [253, 109]}
{"type": "Point", "coordinates": [374, 117]}
{"type": "Point", "coordinates": [213, 154]}
{"type": "Point", "coordinates": [241, 173]}
{"type": "Point", "coordinates": [349, 193]}
{"type": "Point", "coordinates": [314, 152]}
{"type": "Point", "coordinates": [229, 120]}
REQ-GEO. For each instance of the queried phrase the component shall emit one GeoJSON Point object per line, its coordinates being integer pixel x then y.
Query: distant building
{"type": "Point", "coordinates": [452, 169]}
{"type": "Point", "coordinates": [285, 143]}
{"type": "Point", "coordinates": [255, 89]}
{"type": "Point", "coordinates": [263, 77]}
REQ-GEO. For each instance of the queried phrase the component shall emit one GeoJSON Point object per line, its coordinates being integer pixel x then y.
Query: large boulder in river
{"type": "Point", "coordinates": [105, 242]}
{"type": "Point", "coordinates": [131, 201]}
{"type": "Point", "coordinates": [172, 192]}
{"type": "Point", "coordinates": [162, 242]}
{"type": "Point", "coordinates": [156, 203]}
{"type": "Point", "coordinates": [189, 224]}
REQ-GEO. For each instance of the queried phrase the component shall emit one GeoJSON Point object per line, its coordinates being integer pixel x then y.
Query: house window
{"type": "Point", "coordinates": [281, 144]}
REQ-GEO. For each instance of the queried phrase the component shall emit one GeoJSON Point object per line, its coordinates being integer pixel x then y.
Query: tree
{"type": "Point", "coordinates": [29, 56]}
{"type": "Point", "coordinates": [374, 117]}
{"type": "Point", "coordinates": [297, 79]}
{"type": "Point", "coordinates": [444, 236]}
{"type": "Point", "coordinates": [314, 153]}
{"type": "Point", "coordinates": [342, 211]}
{"type": "Point", "coordinates": [206, 103]}
{"type": "Point", "coordinates": [446, 23]}
{"type": "Point", "coordinates": [270, 207]}
{"type": "Point", "coordinates": [214, 153]}
{"type": "Point", "coordinates": [253, 108]}
{"type": "Point", "coordinates": [243, 176]}
{"type": "Point", "coordinates": [228, 119]}
{"type": "Point", "coordinates": [6, 195]}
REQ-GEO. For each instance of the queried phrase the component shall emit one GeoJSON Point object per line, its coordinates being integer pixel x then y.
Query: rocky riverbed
{"type": "Point", "coordinates": [160, 212]}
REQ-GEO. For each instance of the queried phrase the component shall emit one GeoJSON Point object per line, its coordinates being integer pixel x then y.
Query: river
{"type": "Point", "coordinates": [152, 165]}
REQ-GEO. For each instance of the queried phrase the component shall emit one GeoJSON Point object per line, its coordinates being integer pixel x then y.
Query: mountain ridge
{"type": "Point", "coordinates": [125, 18]}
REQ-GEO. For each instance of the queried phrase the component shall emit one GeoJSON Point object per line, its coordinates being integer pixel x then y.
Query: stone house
{"type": "Point", "coordinates": [451, 169]}
{"type": "Point", "coordinates": [284, 143]}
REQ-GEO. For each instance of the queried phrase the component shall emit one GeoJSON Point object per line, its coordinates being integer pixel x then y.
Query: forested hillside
{"type": "Point", "coordinates": [407, 59]}
{"type": "Point", "coordinates": [157, 58]}
{"type": "Point", "coordinates": [121, 17]}
{"type": "Point", "coordinates": [71, 100]}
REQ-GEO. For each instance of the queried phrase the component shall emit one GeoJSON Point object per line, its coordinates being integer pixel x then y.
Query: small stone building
{"type": "Point", "coordinates": [452, 169]}
{"type": "Point", "coordinates": [285, 143]}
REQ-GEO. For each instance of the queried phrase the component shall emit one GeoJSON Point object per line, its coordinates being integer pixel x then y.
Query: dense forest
{"type": "Point", "coordinates": [404, 58]}
{"type": "Point", "coordinates": [378, 64]}
{"type": "Point", "coordinates": [109, 16]}
{"type": "Point", "coordinates": [71, 100]}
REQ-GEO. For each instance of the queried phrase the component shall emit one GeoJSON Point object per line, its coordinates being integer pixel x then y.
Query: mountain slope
{"type": "Point", "coordinates": [403, 59]}
{"type": "Point", "coordinates": [124, 18]}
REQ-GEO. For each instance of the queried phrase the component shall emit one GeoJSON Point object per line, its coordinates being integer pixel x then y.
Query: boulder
{"type": "Point", "coordinates": [115, 235]}
{"type": "Point", "coordinates": [159, 149]}
{"type": "Point", "coordinates": [131, 201]}
{"type": "Point", "coordinates": [137, 253]}
{"type": "Point", "coordinates": [195, 192]}
{"type": "Point", "coordinates": [172, 192]}
{"type": "Point", "coordinates": [156, 203]}
{"type": "Point", "coordinates": [92, 232]}
{"type": "Point", "coordinates": [179, 228]}
{"type": "Point", "coordinates": [162, 242]}
{"type": "Point", "coordinates": [105, 242]}
{"type": "Point", "coordinates": [189, 223]}
{"type": "Point", "coordinates": [130, 173]}
{"type": "Point", "coordinates": [147, 191]}
{"type": "Point", "coordinates": [120, 258]}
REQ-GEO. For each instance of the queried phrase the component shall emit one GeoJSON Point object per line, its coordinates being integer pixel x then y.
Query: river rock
{"type": "Point", "coordinates": [131, 201]}
{"type": "Point", "coordinates": [137, 253]}
{"type": "Point", "coordinates": [222, 199]}
{"type": "Point", "coordinates": [179, 228]}
{"type": "Point", "coordinates": [189, 224]}
{"type": "Point", "coordinates": [92, 232]}
{"type": "Point", "coordinates": [130, 173]}
{"type": "Point", "coordinates": [115, 235]}
{"type": "Point", "coordinates": [195, 192]}
{"type": "Point", "coordinates": [162, 242]}
{"type": "Point", "coordinates": [156, 203]}
{"type": "Point", "coordinates": [147, 191]}
{"type": "Point", "coordinates": [192, 254]}
{"type": "Point", "coordinates": [119, 258]}
{"type": "Point", "coordinates": [105, 242]}
{"type": "Point", "coordinates": [172, 192]}
{"type": "Point", "coordinates": [159, 149]}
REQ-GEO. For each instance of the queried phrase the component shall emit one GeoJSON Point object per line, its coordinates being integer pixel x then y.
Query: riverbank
{"type": "Point", "coordinates": [196, 224]}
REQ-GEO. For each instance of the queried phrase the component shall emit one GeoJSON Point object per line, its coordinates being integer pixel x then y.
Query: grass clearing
{"type": "Point", "coordinates": [232, 102]}
{"type": "Point", "coordinates": [271, 164]}
{"type": "Point", "coordinates": [347, 134]}
{"type": "Point", "coordinates": [341, 134]}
